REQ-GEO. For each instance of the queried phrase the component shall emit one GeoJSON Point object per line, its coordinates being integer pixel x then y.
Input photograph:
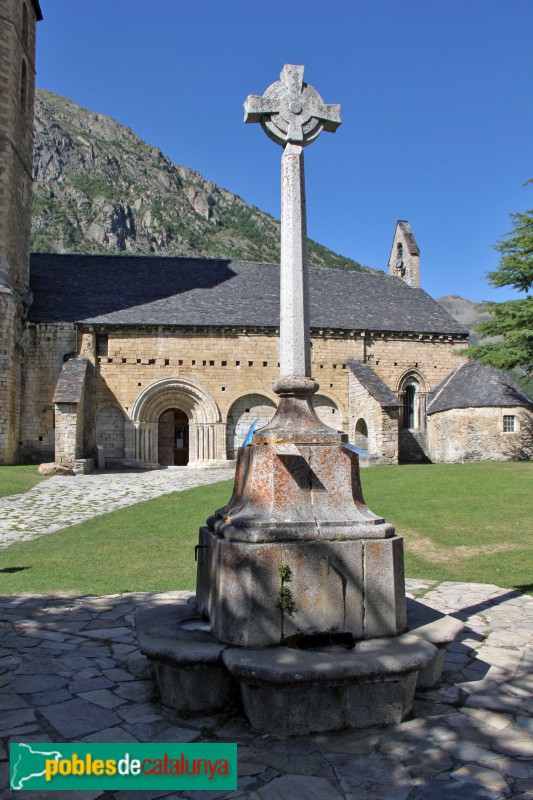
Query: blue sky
{"type": "Point", "coordinates": [437, 109]}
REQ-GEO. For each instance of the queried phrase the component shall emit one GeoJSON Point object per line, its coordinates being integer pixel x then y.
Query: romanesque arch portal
{"type": "Point", "coordinates": [206, 439]}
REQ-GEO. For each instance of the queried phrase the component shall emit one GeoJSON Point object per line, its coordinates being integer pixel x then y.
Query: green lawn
{"type": "Point", "coordinates": [15, 480]}
{"type": "Point", "coordinates": [466, 522]}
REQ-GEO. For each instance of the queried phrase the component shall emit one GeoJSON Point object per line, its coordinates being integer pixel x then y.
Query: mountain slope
{"type": "Point", "coordinates": [464, 311]}
{"type": "Point", "coordinates": [99, 188]}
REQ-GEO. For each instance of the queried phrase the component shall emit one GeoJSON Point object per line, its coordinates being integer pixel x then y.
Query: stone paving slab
{"type": "Point", "coordinates": [62, 501]}
{"type": "Point", "coordinates": [470, 739]}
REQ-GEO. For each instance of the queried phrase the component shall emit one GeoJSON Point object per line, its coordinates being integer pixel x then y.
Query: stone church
{"type": "Point", "coordinates": [149, 361]}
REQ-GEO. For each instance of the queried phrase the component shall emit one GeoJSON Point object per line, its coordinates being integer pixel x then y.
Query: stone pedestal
{"type": "Point", "coordinates": [299, 506]}
{"type": "Point", "coordinates": [297, 491]}
{"type": "Point", "coordinates": [353, 587]}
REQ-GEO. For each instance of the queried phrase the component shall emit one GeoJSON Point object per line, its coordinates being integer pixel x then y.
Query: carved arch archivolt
{"type": "Point", "coordinates": [206, 432]}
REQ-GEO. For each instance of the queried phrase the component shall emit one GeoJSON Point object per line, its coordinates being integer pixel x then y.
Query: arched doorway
{"type": "Point", "coordinates": [361, 434]}
{"type": "Point", "coordinates": [205, 428]}
{"type": "Point", "coordinates": [412, 429]}
{"type": "Point", "coordinates": [173, 438]}
{"type": "Point", "coordinates": [327, 411]}
{"type": "Point", "coordinates": [242, 414]}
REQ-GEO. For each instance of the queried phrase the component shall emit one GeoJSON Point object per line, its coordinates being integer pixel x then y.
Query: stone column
{"type": "Point", "coordinates": [293, 114]}
{"type": "Point", "coordinates": [295, 350]}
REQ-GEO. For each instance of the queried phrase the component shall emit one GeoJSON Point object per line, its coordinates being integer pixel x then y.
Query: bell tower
{"type": "Point", "coordinates": [404, 260]}
{"type": "Point", "coordinates": [18, 20]}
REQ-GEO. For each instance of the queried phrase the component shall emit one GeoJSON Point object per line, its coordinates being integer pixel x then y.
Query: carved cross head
{"type": "Point", "coordinates": [292, 111]}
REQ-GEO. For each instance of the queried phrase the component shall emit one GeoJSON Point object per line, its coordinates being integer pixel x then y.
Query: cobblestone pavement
{"type": "Point", "coordinates": [63, 501]}
{"type": "Point", "coordinates": [70, 670]}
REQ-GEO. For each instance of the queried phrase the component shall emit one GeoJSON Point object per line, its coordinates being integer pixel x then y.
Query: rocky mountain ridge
{"type": "Point", "coordinates": [465, 311]}
{"type": "Point", "coordinates": [99, 188]}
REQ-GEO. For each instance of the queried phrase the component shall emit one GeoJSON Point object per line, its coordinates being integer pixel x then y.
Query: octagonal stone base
{"type": "Point", "coordinates": [187, 660]}
{"type": "Point", "coordinates": [339, 587]}
{"type": "Point", "coordinates": [289, 691]}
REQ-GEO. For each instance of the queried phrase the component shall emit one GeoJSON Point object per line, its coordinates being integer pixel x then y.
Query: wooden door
{"type": "Point", "coordinates": [165, 439]}
{"type": "Point", "coordinates": [181, 438]}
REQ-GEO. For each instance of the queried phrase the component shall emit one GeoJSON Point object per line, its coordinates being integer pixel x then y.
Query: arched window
{"type": "Point", "coordinates": [409, 397]}
{"type": "Point", "coordinates": [24, 25]}
{"type": "Point", "coordinates": [399, 265]}
{"type": "Point", "coordinates": [23, 85]}
{"type": "Point", "coordinates": [413, 399]}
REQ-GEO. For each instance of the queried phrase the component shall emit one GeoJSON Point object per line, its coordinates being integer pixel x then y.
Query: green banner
{"type": "Point", "coordinates": [166, 765]}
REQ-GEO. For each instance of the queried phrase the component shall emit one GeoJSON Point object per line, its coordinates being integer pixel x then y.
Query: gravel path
{"type": "Point", "coordinates": [63, 501]}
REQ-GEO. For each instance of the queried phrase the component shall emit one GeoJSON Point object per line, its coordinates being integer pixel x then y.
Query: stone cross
{"type": "Point", "coordinates": [293, 114]}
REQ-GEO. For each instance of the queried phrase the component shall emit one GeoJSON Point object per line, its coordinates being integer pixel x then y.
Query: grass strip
{"type": "Point", "coordinates": [460, 522]}
{"type": "Point", "coordinates": [18, 479]}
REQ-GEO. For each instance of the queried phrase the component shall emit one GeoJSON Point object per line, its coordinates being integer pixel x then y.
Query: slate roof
{"type": "Point", "coordinates": [476, 385]}
{"type": "Point", "coordinates": [69, 388]}
{"type": "Point", "coordinates": [134, 290]}
{"type": "Point", "coordinates": [373, 384]}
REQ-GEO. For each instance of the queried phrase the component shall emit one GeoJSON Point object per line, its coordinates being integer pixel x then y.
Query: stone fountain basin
{"type": "Point", "coordinates": [290, 691]}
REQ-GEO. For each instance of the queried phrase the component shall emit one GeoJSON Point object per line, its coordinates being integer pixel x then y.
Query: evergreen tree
{"type": "Point", "coordinates": [512, 321]}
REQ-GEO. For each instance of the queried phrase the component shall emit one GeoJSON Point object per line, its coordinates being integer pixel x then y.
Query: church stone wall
{"type": "Point", "coordinates": [228, 366]}
{"type": "Point", "coordinates": [44, 348]}
{"type": "Point", "coordinates": [381, 423]}
{"type": "Point", "coordinates": [10, 357]}
{"type": "Point", "coordinates": [17, 48]}
{"type": "Point", "coordinates": [110, 433]}
{"type": "Point", "coordinates": [242, 415]}
{"type": "Point", "coordinates": [16, 139]}
{"type": "Point", "coordinates": [69, 433]}
{"type": "Point", "coordinates": [392, 356]}
{"type": "Point", "coordinates": [413, 446]}
{"type": "Point", "coordinates": [476, 434]}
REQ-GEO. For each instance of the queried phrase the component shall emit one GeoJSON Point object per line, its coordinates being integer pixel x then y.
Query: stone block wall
{"type": "Point", "coordinates": [10, 358]}
{"type": "Point", "coordinates": [476, 434]}
{"type": "Point", "coordinates": [17, 78]}
{"type": "Point", "coordinates": [413, 446]}
{"type": "Point", "coordinates": [17, 47]}
{"type": "Point", "coordinates": [432, 357]}
{"type": "Point", "coordinates": [110, 433]}
{"type": "Point", "coordinates": [44, 348]}
{"type": "Point", "coordinates": [242, 414]}
{"type": "Point", "coordinates": [72, 398]}
{"type": "Point", "coordinates": [228, 365]}
{"type": "Point", "coordinates": [68, 433]}
{"type": "Point", "coordinates": [232, 367]}
{"type": "Point", "coordinates": [381, 424]}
